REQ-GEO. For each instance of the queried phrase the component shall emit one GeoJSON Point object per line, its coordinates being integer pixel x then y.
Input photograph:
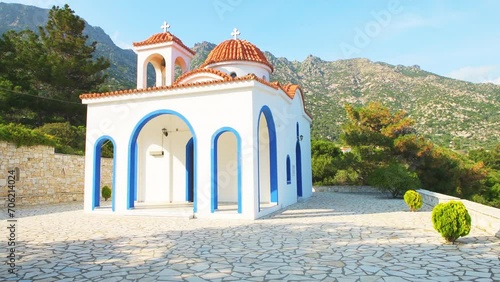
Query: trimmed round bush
{"type": "Point", "coordinates": [106, 193]}
{"type": "Point", "coordinates": [452, 220]}
{"type": "Point", "coordinates": [413, 199]}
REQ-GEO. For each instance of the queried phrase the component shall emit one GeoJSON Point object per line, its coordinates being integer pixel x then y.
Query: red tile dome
{"type": "Point", "coordinates": [236, 50]}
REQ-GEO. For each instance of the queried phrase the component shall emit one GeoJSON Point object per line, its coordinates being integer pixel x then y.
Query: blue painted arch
{"type": "Point", "coordinates": [298, 163]}
{"type": "Point", "coordinates": [273, 163]}
{"type": "Point", "coordinates": [189, 170]}
{"type": "Point", "coordinates": [288, 170]}
{"type": "Point", "coordinates": [96, 181]}
{"type": "Point", "coordinates": [214, 177]}
{"type": "Point", "coordinates": [298, 167]}
{"type": "Point", "coordinates": [132, 155]}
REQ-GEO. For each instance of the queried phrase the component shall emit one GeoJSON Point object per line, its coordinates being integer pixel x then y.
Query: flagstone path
{"type": "Point", "coordinates": [330, 237]}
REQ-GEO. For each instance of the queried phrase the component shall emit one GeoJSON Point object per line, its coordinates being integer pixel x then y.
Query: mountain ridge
{"type": "Point", "coordinates": [450, 112]}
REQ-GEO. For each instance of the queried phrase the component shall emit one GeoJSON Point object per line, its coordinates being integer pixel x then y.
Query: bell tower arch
{"type": "Point", "coordinates": [164, 51]}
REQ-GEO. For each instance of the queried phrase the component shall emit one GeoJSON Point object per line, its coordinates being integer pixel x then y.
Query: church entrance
{"type": "Point", "coordinates": [190, 171]}
{"type": "Point", "coordinates": [103, 144]}
{"type": "Point", "coordinates": [226, 171]}
{"type": "Point", "coordinates": [162, 169]}
{"type": "Point", "coordinates": [268, 176]}
{"type": "Point", "coordinates": [298, 167]}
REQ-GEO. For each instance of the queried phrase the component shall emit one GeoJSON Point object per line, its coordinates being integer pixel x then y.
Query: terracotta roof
{"type": "Point", "coordinates": [291, 89]}
{"type": "Point", "coordinates": [173, 86]}
{"type": "Point", "coordinates": [162, 38]}
{"type": "Point", "coordinates": [226, 78]}
{"type": "Point", "coordinates": [236, 50]}
{"type": "Point", "coordinates": [223, 75]}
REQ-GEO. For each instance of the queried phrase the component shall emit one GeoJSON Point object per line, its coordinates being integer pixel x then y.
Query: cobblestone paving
{"type": "Point", "coordinates": [330, 237]}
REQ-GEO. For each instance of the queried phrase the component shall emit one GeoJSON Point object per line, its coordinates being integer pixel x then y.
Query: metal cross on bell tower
{"type": "Point", "coordinates": [165, 26]}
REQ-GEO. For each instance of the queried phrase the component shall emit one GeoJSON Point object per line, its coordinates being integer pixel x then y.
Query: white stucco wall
{"type": "Point", "coordinates": [207, 109]}
{"type": "Point", "coordinates": [242, 68]}
{"type": "Point", "coordinates": [227, 169]}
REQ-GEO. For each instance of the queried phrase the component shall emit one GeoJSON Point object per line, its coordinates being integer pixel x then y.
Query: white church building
{"type": "Point", "coordinates": [220, 140]}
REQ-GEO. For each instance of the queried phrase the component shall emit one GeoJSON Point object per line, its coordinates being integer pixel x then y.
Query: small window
{"type": "Point", "coordinates": [264, 77]}
{"type": "Point", "coordinates": [288, 171]}
{"type": "Point", "coordinates": [233, 74]}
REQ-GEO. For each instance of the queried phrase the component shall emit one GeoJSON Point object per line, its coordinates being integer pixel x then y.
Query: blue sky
{"type": "Point", "coordinates": [459, 38]}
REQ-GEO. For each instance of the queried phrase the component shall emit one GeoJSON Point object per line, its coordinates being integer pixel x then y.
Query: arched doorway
{"type": "Point", "coordinates": [98, 183]}
{"type": "Point", "coordinates": [267, 154]}
{"type": "Point", "coordinates": [226, 169]}
{"type": "Point", "coordinates": [298, 167]}
{"type": "Point", "coordinates": [298, 162]}
{"type": "Point", "coordinates": [159, 159]}
{"type": "Point", "coordinates": [190, 171]}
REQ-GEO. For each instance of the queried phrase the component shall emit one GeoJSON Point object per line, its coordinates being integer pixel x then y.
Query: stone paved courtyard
{"type": "Point", "coordinates": [330, 237]}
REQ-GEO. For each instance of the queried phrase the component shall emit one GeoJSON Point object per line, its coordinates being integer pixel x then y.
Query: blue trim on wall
{"type": "Point", "coordinates": [273, 163]}
{"type": "Point", "coordinates": [214, 177]}
{"type": "Point", "coordinates": [298, 165]}
{"type": "Point", "coordinates": [132, 162]}
{"type": "Point", "coordinates": [136, 180]}
{"type": "Point", "coordinates": [288, 170]}
{"type": "Point", "coordinates": [96, 181]}
{"type": "Point", "coordinates": [189, 170]}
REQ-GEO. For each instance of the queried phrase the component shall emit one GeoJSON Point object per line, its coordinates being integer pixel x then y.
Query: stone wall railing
{"type": "Point", "coordinates": [483, 217]}
{"type": "Point", "coordinates": [46, 177]}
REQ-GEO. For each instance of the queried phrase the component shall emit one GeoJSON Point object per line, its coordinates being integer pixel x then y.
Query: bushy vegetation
{"type": "Point", "coordinates": [452, 220]}
{"type": "Point", "coordinates": [383, 143]}
{"type": "Point", "coordinates": [42, 75]}
{"type": "Point", "coordinates": [20, 135]}
{"type": "Point", "coordinates": [106, 192]}
{"type": "Point", "coordinates": [413, 199]}
{"type": "Point", "coordinates": [70, 139]}
{"type": "Point", "coordinates": [490, 191]}
{"type": "Point", "coordinates": [394, 178]}
{"type": "Point", "coordinates": [50, 68]}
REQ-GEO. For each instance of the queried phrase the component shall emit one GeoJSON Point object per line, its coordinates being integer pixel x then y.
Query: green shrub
{"type": "Point", "coordinates": [413, 199]}
{"type": "Point", "coordinates": [346, 177]}
{"type": "Point", "coordinates": [452, 220]}
{"type": "Point", "coordinates": [23, 136]}
{"type": "Point", "coordinates": [394, 178]}
{"type": "Point", "coordinates": [106, 193]}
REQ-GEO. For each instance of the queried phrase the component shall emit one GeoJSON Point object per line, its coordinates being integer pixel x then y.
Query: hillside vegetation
{"type": "Point", "coordinates": [452, 113]}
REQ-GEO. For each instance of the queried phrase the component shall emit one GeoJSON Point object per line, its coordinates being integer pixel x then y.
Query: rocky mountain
{"type": "Point", "coordinates": [122, 72]}
{"type": "Point", "coordinates": [452, 113]}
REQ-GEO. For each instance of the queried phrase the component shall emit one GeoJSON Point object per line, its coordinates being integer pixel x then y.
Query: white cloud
{"type": "Point", "coordinates": [120, 43]}
{"type": "Point", "coordinates": [476, 74]}
{"type": "Point", "coordinates": [408, 21]}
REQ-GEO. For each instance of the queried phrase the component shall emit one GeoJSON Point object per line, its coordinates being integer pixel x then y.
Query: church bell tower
{"type": "Point", "coordinates": [164, 51]}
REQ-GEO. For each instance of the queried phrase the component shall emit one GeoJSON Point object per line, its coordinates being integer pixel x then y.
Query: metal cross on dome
{"type": "Point", "coordinates": [165, 26]}
{"type": "Point", "coordinates": [235, 33]}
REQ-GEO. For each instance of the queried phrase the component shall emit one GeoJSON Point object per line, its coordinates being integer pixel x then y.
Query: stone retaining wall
{"type": "Point", "coordinates": [46, 177]}
{"type": "Point", "coordinates": [346, 189]}
{"type": "Point", "coordinates": [483, 217]}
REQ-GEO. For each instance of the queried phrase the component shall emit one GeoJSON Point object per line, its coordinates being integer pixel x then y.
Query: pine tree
{"type": "Point", "coordinates": [73, 70]}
